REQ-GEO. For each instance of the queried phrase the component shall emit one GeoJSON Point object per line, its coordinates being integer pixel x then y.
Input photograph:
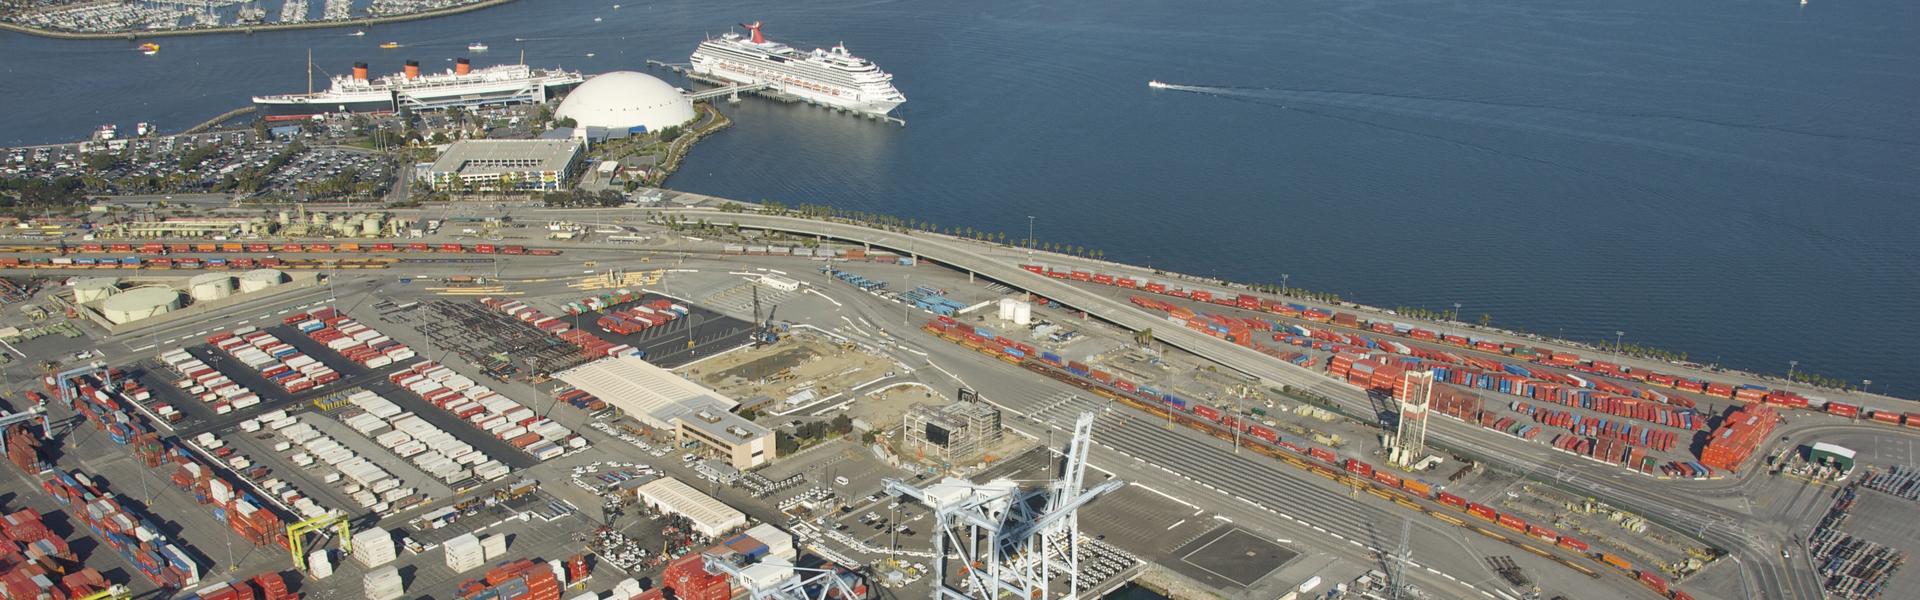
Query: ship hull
{"type": "Point", "coordinates": [306, 108]}
{"type": "Point", "coordinates": [848, 100]}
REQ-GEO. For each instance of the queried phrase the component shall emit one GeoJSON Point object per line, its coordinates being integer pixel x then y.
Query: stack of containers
{"type": "Point", "coordinates": [206, 384]}
{"type": "Point", "coordinates": [384, 584]}
{"type": "Point", "coordinates": [370, 480]}
{"type": "Point", "coordinates": [111, 412]}
{"type": "Point", "coordinates": [518, 580]}
{"type": "Point", "coordinates": [373, 547]}
{"type": "Point", "coordinates": [32, 559]}
{"type": "Point", "coordinates": [142, 543]}
{"type": "Point", "coordinates": [498, 415]}
{"type": "Point", "coordinates": [353, 340]}
{"type": "Point", "coordinates": [276, 360]}
{"type": "Point", "coordinates": [494, 546]}
{"type": "Point", "coordinates": [688, 578]}
{"type": "Point", "coordinates": [464, 553]}
{"type": "Point", "coordinates": [426, 446]}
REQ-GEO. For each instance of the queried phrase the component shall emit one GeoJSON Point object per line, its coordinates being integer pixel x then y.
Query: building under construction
{"type": "Point", "coordinates": [955, 433]}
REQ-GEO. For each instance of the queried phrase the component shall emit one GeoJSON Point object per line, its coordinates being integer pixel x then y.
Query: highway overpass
{"type": "Point", "coordinates": [1667, 502]}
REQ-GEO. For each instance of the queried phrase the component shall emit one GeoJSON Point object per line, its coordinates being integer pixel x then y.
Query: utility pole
{"type": "Point", "coordinates": [1791, 365]}
{"type": "Point", "coordinates": [1617, 335]}
{"type": "Point", "coordinates": [1397, 564]}
{"type": "Point", "coordinates": [1030, 243]}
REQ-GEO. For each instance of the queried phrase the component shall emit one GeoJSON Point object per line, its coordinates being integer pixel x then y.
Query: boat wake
{"type": "Point", "coordinates": [1386, 100]}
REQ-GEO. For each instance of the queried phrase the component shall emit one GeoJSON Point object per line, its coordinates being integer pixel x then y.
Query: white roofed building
{"type": "Point", "coordinates": [710, 517]}
{"type": "Point", "coordinates": [626, 101]}
{"type": "Point", "coordinates": [663, 400]}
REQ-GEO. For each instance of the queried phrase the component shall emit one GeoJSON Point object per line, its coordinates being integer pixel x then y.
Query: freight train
{"type": "Point", "coordinates": [214, 263]}
{"type": "Point", "coordinates": [1235, 428]}
{"type": "Point", "coordinates": [165, 248]}
{"type": "Point", "coordinates": [1240, 331]}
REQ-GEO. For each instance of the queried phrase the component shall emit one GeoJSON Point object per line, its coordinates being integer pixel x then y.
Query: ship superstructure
{"type": "Point", "coordinates": [832, 77]}
{"type": "Point", "coordinates": [461, 86]}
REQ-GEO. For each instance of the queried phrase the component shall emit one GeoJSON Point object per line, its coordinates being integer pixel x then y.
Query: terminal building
{"type": "Point", "coordinates": [712, 518]}
{"type": "Point", "coordinates": [665, 401]}
{"type": "Point", "coordinates": [505, 165]}
{"type": "Point", "coordinates": [956, 433]}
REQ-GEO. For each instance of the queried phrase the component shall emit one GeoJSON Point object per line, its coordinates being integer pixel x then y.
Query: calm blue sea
{"type": "Point", "coordinates": [1736, 179]}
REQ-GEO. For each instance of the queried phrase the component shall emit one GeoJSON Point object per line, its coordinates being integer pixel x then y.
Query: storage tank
{"type": "Point", "coordinates": [210, 286]}
{"type": "Point", "coordinates": [260, 279]}
{"type": "Point", "coordinates": [140, 303]}
{"type": "Point", "coordinates": [95, 289]}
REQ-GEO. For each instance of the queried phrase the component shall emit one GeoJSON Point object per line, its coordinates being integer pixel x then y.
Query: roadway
{"type": "Point", "coordinates": [1255, 493]}
{"type": "Point", "coordinates": [1755, 550]}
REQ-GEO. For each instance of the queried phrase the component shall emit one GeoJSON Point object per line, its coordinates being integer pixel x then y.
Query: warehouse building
{"type": "Point", "coordinates": [663, 400]}
{"type": "Point", "coordinates": [744, 444]}
{"type": "Point", "coordinates": [502, 165]}
{"type": "Point", "coordinates": [1833, 455]}
{"type": "Point", "coordinates": [956, 433]}
{"type": "Point", "coordinates": [710, 517]}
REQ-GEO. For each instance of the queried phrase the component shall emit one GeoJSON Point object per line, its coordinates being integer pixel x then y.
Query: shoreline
{"type": "Point", "coordinates": [248, 29]}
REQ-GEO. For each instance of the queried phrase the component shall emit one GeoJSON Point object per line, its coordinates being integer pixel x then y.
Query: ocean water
{"type": "Point", "coordinates": [1739, 180]}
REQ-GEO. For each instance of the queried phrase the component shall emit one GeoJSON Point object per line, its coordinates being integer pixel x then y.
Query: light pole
{"type": "Point", "coordinates": [1030, 243]}
{"type": "Point", "coordinates": [1617, 335]}
{"type": "Point", "coordinates": [1456, 311]}
{"type": "Point", "coordinates": [1283, 284]}
{"type": "Point", "coordinates": [1866, 385]}
{"type": "Point", "coordinates": [1791, 365]}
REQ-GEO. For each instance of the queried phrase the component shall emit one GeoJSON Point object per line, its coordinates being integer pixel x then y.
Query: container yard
{"type": "Point", "coordinates": [1603, 412]}
{"type": "Point", "coordinates": [414, 398]}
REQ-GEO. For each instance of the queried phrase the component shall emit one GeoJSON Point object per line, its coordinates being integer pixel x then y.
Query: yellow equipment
{"type": "Point", "coordinates": [297, 536]}
{"type": "Point", "coordinates": [118, 592]}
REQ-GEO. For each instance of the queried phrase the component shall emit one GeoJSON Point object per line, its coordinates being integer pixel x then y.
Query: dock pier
{"type": "Point", "coordinates": [728, 88]}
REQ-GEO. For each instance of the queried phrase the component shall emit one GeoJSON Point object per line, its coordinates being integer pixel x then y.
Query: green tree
{"type": "Point", "coordinates": [101, 161]}
{"type": "Point", "coordinates": [842, 424]}
{"type": "Point", "coordinates": [784, 444]}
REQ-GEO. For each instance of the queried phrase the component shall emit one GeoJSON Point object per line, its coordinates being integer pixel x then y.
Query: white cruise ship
{"type": "Point", "coordinates": [462, 86]}
{"type": "Point", "coordinates": [831, 77]}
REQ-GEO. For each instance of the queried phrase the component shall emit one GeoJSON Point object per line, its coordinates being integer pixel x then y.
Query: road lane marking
{"type": "Point", "coordinates": [1176, 524]}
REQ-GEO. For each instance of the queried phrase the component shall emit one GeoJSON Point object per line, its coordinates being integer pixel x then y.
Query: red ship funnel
{"type": "Point", "coordinates": [755, 28]}
{"type": "Point", "coordinates": [413, 69]}
{"type": "Point", "coordinates": [360, 71]}
{"type": "Point", "coordinates": [461, 66]}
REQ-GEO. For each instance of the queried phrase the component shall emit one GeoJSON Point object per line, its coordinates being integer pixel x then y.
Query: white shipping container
{"type": "Point", "coordinates": [494, 546]}
{"type": "Point", "coordinates": [409, 449]}
{"type": "Point", "coordinates": [384, 583]}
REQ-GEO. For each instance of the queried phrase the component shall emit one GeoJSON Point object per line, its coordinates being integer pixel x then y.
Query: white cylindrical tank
{"type": "Point", "coordinates": [1023, 313]}
{"type": "Point", "coordinates": [210, 286]}
{"type": "Point", "coordinates": [260, 279]}
{"type": "Point", "coordinates": [140, 303]}
{"type": "Point", "coordinates": [95, 289]}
